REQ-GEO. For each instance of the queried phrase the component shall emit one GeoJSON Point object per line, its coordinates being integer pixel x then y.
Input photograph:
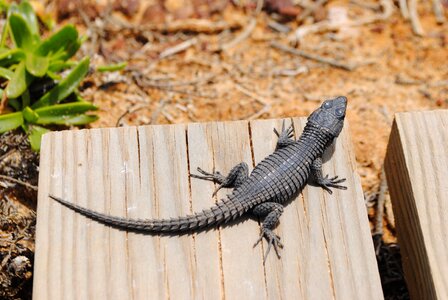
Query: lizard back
{"type": "Point", "coordinates": [285, 172]}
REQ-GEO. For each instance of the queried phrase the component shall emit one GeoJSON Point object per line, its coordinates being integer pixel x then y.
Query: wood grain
{"type": "Point", "coordinates": [143, 172]}
{"type": "Point", "coordinates": [417, 170]}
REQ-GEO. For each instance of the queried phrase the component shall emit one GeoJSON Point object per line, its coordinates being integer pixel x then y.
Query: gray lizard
{"type": "Point", "coordinates": [273, 182]}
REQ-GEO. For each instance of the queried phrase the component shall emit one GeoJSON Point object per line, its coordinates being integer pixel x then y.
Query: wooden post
{"type": "Point", "coordinates": [143, 172]}
{"type": "Point", "coordinates": [416, 167]}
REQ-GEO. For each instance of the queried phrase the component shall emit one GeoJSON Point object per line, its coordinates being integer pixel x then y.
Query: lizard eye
{"type": "Point", "coordinates": [340, 112]}
{"type": "Point", "coordinates": [328, 104]}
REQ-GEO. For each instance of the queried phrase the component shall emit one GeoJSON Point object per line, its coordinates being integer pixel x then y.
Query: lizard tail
{"type": "Point", "coordinates": [222, 212]}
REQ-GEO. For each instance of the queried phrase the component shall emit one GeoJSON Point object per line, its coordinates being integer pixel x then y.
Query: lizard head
{"type": "Point", "coordinates": [329, 117]}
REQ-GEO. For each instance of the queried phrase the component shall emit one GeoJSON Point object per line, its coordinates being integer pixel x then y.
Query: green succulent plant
{"type": "Point", "coordinates": [38, 78]}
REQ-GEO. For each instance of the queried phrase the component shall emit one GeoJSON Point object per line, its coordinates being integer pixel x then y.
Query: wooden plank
{"type": "Point", "coordinates": [348, 243]}
{"type": "Point", "coordinates": [417, 170]}
{"type": "Point", "coordinates": [143, 253]}
{"type": "Point", "coordinates": [231, 145]}
{"type": "Point", "coordinates": [208, 263]}
{"type": "Point", "coordinates": [143, 173]}
{"type": "Point", "coordinates": [287, 276]}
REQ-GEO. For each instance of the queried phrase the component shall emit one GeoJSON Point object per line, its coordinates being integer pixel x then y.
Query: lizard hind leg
{"type": "Point", "coordinates": [235, 178]}
{"type": "Point", "coordinates": [271, 211]}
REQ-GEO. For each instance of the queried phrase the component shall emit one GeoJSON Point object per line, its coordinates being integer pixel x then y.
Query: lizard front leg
{"type": "Point", "coordinates": [271, 211]}
{"type": "Point", "coordinates": [236, 177]}
{"type": "Point", "coordinates": [325, 182]}
{"type": "Point", "coordinates": [285, 136]}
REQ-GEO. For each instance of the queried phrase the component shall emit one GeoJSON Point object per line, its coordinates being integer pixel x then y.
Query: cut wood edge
{"type": "Point", "coordinates": [415, 258]}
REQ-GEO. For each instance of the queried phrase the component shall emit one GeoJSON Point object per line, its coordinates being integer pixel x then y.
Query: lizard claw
{"type": "Point", "coordinates": [285, 137]}
{"type": "Point", "coordinates": [215, 177]}
{"type": "Point", "coordinates": [273, 240]}
{"type": "Point", "coordinates": [217, 190]}
{"type": "Point", "coordinates": [208, 173]}
{"type": "Point", "coordinates": [285, 133]}
{"type": "Point", "coordinates": [333, 182]}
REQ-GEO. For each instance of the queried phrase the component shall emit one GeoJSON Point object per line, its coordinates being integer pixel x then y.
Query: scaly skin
{"type": "Point", "coordinates": [273, 182]}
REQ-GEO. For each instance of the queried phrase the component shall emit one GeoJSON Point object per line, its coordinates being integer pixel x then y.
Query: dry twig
{"type": "Point", "coordinates": [438, 11]}
{"type": "Point", "coordinates": [168, 116]}
{"type": "Point", "coordinates": [253, 95]}
{"type": "Point", "coordinates": [178, 48]}
{"type": "Point", "coordinates": [291, 72]}
{"type": "Point", "coordinates": [404, 9]}
{"type": "Point", "coordinates": [266, 105]}
{"type": "Point", "coordinates": [380, 204]}
{"type": "Point", "coordinates": [406, 80]}
{"type": "Point", "coordinates": [14, 146]}
{"type": "Point", "coordinates": [96, 29]}
{"type": "Point", "coordinates": [169, 87]}
{"type": "Point", "coordinates": [242, 36]}
{"type": "Point", "coordinates": [389, 213]}
{"type": "Point", "coordinates": [325, 60]}
{"type": "Point", "coordinates": [278, 27]}
{"type": "Point", "coordinates": [415, 21]}
{"type": "Point", "coordinates": [196, 81]}
{"type": "Point", "coordinates": [249, 28]}
{"type": "Point", "coordinates": [378, 232]}
{"type": "Point", "coordinates": [259, 113]}
{"type": "Point", "coordinates": [30, 186]}
{"type": "Point", "coordinates": [128, 111]}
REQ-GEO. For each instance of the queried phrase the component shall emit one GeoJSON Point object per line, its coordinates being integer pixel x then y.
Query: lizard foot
{"type": "Point", "coordinates": [273, 240]}
{"type": "Point", "coordinates": [215, 177]}
{"type": "Point", "coordinates": [237, 175]}
{"type": "Point", "coordinates": [285, 137]}
{"type": "Point", "coordinates": [287, 133]}
{"type": "Point", "coordinates": [327, 182]}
